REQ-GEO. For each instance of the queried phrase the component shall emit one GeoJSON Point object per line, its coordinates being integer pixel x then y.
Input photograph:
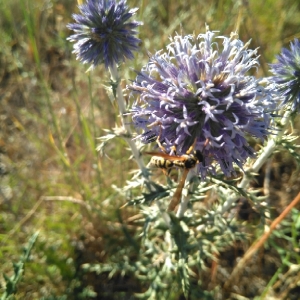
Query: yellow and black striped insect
{"type": "Point", "coordinates": [166, 162]}
{"type": "Point", "coordinates": [185, 162]}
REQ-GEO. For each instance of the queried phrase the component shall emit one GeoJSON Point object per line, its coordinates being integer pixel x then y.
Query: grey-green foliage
{"type": "Point", "coordinates": [11, 286]}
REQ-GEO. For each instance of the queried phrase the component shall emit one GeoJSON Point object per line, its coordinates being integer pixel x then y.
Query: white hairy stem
{"type": "Point", "coordinates": [122, 109]}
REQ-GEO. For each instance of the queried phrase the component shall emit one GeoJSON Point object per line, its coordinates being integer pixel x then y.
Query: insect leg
{"type": "Point", "coordinates": [206, 143]}
{"type": "Point", "coordinates": [192, 147]}
{"type": "Point", "coordinates": [159, 143]}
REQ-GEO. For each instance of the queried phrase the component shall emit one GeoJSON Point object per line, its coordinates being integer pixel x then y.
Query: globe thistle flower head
{"type": "Point", "coordinates": [103, 32]}
{"type": "Point", "coordinates": [198, 94]}
{"type": "Point", "coordinates": [287, 75]}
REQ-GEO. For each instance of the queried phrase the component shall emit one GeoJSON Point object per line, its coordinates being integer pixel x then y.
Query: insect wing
{"type": "Point", "coordinates": [167, 156]}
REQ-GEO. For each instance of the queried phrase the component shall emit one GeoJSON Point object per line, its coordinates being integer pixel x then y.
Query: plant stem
{"type": "Point", "coordinates": [268, 150]}
{"type": "Point", "coordinates": [128, 137]}
{"type": "Point", "coordinates": [122, 109]}
{"type": "Point", "coordinates": [258, 243]}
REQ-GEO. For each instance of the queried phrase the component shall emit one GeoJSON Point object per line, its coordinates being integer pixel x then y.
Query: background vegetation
{"type": "Point", "coordinates": [53, 181]}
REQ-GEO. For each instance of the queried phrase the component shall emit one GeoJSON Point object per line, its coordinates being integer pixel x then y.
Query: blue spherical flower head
{"type": "Point", "coordinates": [103, 32]}
{"type": "Point", "coordinates": [287, 75]}
{"type": "Point", "coordinates": [198, 94]}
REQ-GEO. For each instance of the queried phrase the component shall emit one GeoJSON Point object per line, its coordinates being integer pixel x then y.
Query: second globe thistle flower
{"type": "Point", "coordinates": [286, 79]}
{"type": "Point", "coordinates": [197, 94]}
{"type": "Point", "coordinates": [103, 32]}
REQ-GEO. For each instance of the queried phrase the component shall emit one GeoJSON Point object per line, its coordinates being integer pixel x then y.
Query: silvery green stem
{"type": "Point", "coordinates": [128, 137]}
{"type": "Point", "coordinates": [170, 243]}
{"type": "Point", "coordinates": [264, 156]}
{"type": "Point", "coordinates": [126, 126]}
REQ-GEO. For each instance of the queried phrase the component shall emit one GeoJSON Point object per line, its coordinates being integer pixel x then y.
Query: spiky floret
{"type": "Point", "coordinates": [104, 33]}
{"type": "Point", "coordinates": [286, 79]}
{"type": "Point", "coordinates": [198, 94]}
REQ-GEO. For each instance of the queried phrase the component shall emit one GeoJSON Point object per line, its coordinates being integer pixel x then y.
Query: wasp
{"type": "Point", "coordinates": [185, 162]}
{"type": "Point", "coordinates": [166, 162]}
